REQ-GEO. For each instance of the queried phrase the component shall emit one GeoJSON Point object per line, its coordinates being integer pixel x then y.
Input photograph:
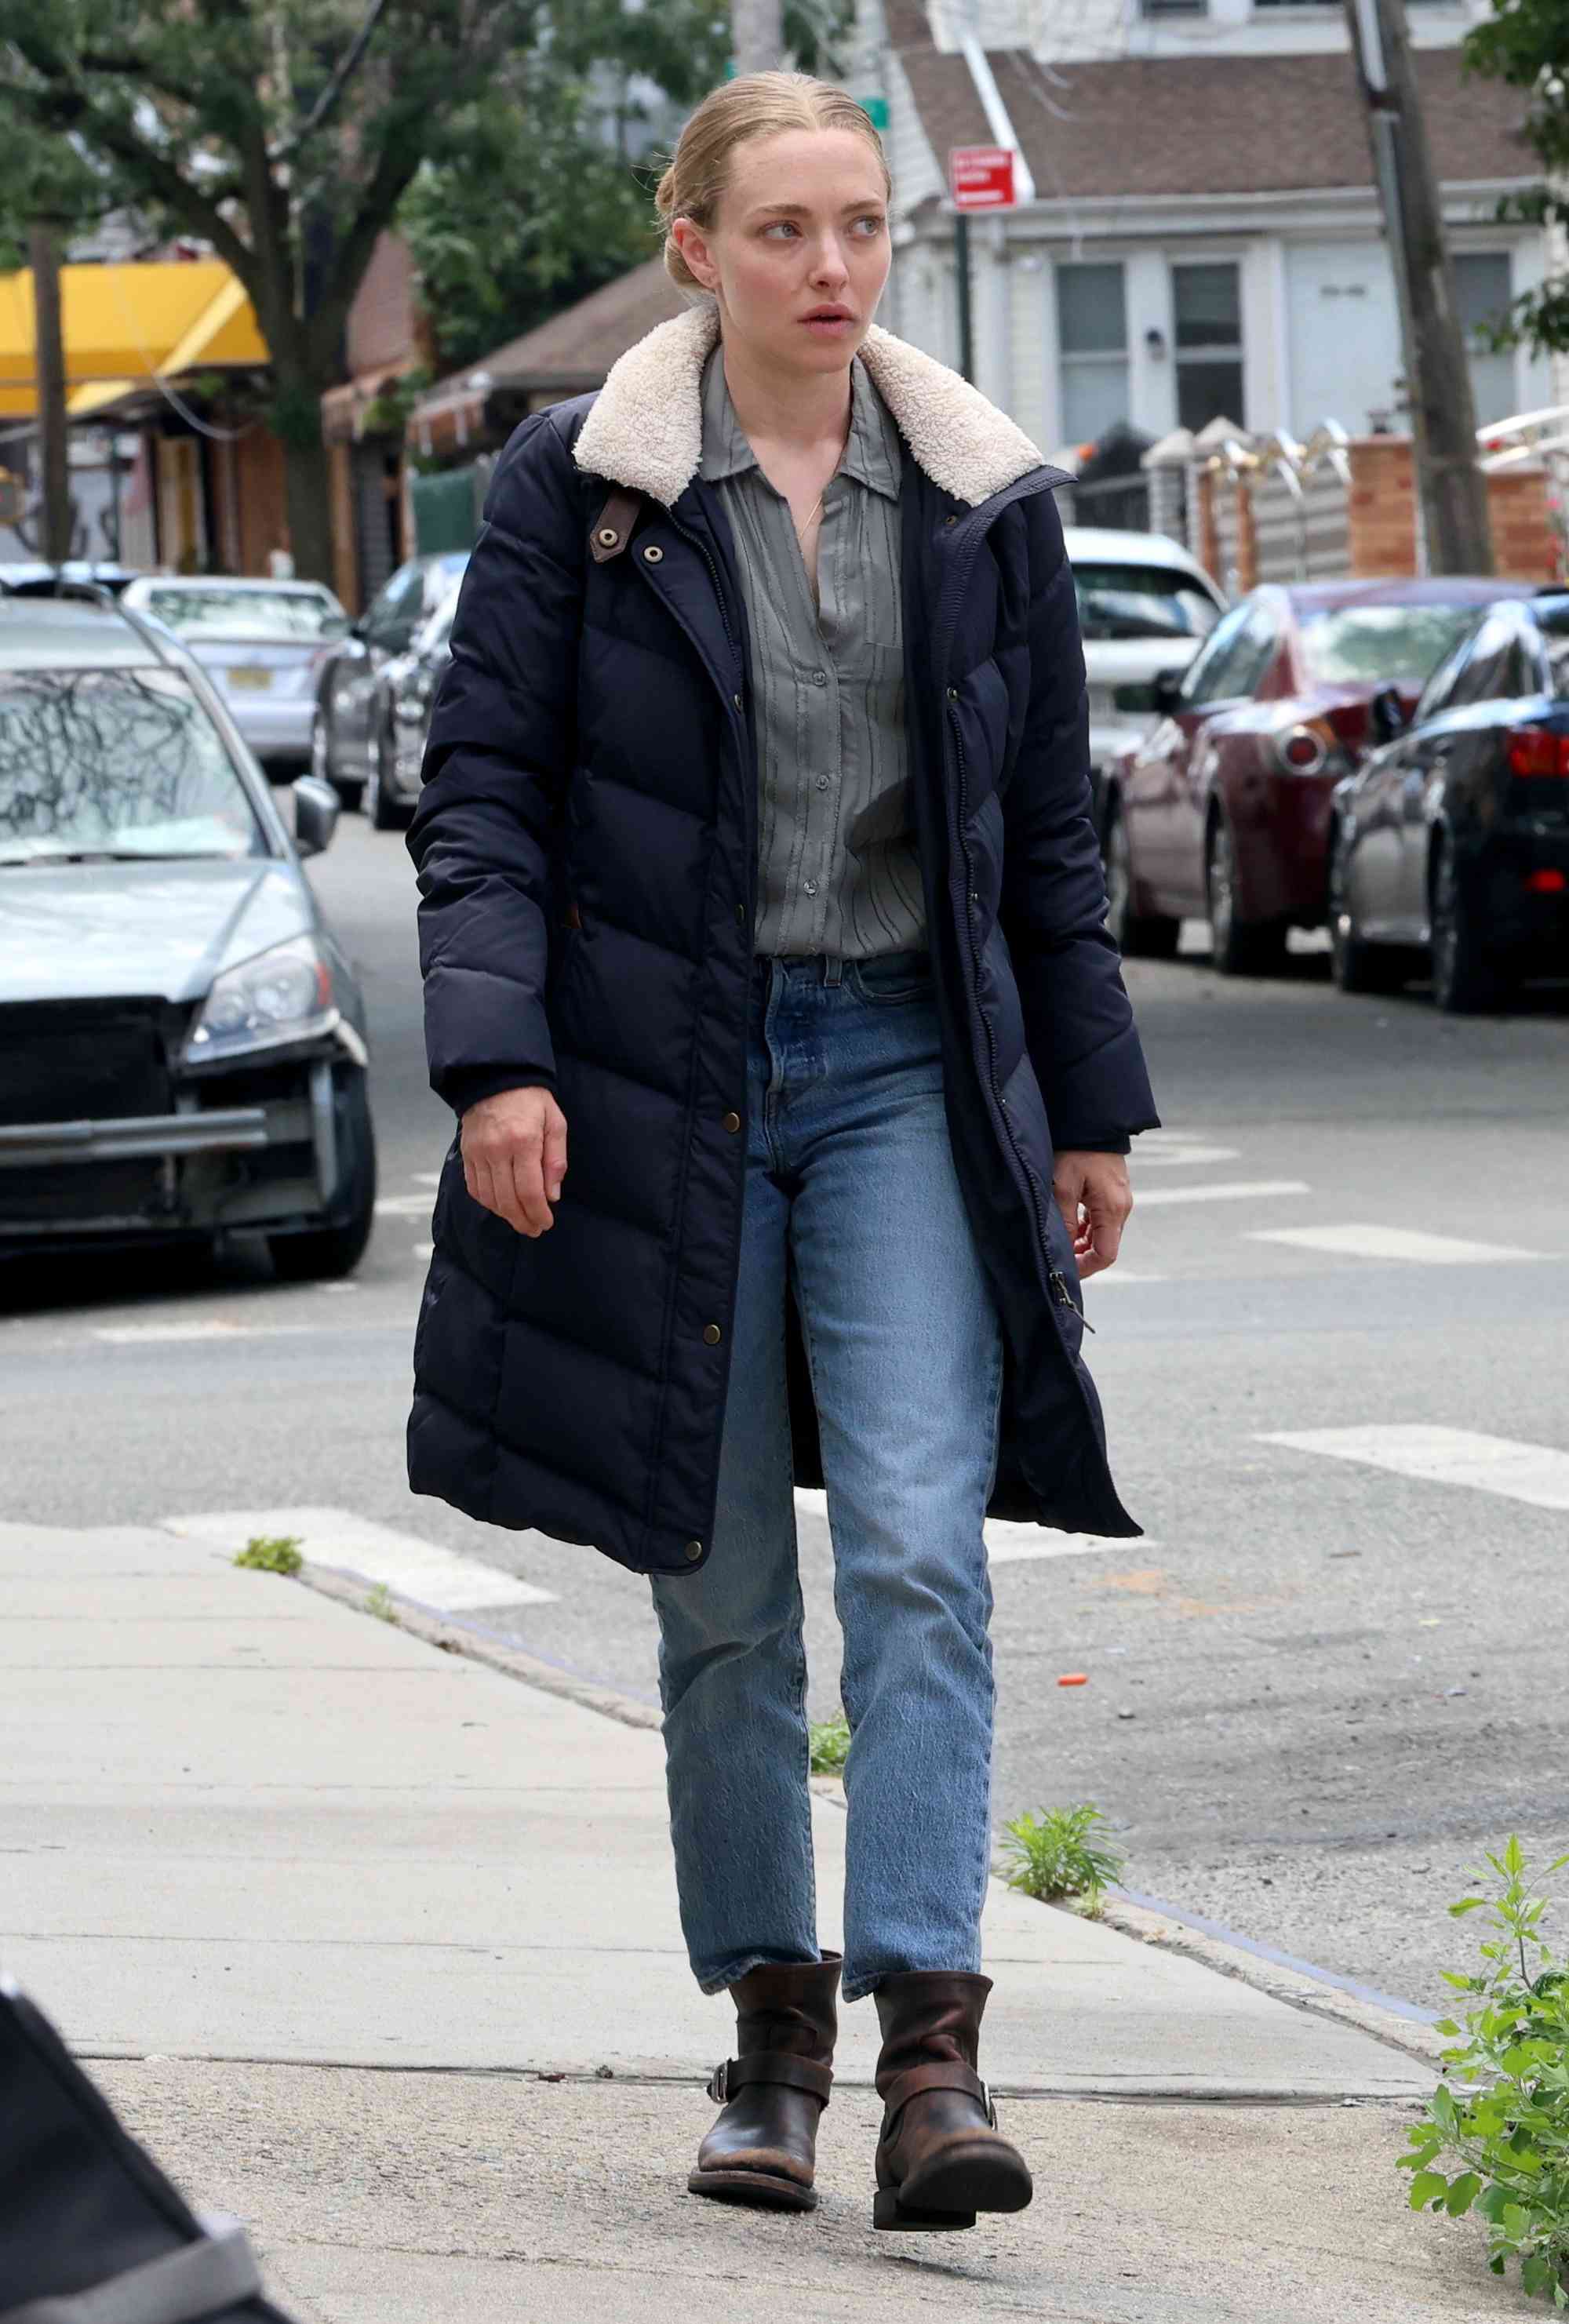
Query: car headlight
{"type": "Point", "coordinates": [284, 994]}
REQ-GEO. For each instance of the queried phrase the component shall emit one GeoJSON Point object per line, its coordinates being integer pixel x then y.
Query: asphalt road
{"type": "Point", "coordinates": [1329, 1678]}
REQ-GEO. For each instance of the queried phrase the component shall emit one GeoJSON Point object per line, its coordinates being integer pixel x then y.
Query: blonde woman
{"type": "Point", "coordinates": [762, 925]}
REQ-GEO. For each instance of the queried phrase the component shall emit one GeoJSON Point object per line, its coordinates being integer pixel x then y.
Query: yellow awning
{"type": "Point", "coordinates": [126, 327]}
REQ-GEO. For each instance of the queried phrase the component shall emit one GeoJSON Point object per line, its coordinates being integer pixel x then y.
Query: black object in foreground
{"type": "Point", "coordinates": [91, 2232]}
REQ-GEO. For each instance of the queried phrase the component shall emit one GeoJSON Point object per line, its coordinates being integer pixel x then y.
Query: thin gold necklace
{"type": "Point", "coordinates": [843, 447]}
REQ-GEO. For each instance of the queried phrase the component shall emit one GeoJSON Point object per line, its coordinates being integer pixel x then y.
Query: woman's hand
{"type": "Point", "coordinates": [1095, 1198]}
{"type": "Point", "coordinates": [515, 1155]}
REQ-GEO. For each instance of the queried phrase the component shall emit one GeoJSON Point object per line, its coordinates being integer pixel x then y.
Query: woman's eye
{"type": "Point", "coordinates": [875, 224]}
{"type": "Point", "coordinates": [780, 226]}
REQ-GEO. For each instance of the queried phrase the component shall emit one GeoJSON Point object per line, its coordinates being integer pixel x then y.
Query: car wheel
{"type": "Point", "coordinates": [1466, 977]}
{"type": "Point", "coordinates": [1356, 965]}
{"type": "Point", "coordinates": [1141, 935]}
{"type": "Point", "coordinates": [1239, 947]}
{"type": "Point", "coordinates": [385, 810]}
{"type": "Point", "coordinates": [323, 1254]}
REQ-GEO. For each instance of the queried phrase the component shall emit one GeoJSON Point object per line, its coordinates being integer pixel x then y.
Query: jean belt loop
{"type": "Point", "coordinates": [833, 969]}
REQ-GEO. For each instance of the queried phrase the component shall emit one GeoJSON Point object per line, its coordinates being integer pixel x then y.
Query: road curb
{"type": "Point", "coordinates": [1135, 1921]}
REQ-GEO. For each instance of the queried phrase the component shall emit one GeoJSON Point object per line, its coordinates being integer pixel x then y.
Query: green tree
{"type": "Point", "coordinates": [1525, 42]}
{"type": "Point", "coordinates": [283, 133]}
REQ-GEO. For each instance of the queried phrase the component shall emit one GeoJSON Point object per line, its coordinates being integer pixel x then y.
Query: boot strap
{"type": "Point", "coordinates": [951, 2075]}
{"type": "Point", "coordinates": [769, 2066]}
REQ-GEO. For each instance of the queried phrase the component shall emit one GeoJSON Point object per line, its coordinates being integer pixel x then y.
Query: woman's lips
{"type": "Point", "coordinates": [828, 325]}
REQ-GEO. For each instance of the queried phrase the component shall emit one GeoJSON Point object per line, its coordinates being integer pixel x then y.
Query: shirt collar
{"type": "Point", "coordinates": [873, 455]}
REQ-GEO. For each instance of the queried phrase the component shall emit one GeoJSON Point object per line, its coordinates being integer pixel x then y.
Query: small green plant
{"type": "Point", "coordinates": [830, 1741]}
{"type": "Point", "coordinates": [379, 1603]}
{"type": "Point", "coordinates": [1055, 1855]}
{"type": "Point", "coordinates": [1503, 2114]}
{"type": "Point", "coordinates": [272, 1553]}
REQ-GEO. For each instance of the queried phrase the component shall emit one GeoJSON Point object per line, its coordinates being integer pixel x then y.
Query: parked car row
{"type": "Point", "coordinates": [183, 1039]}
{"type": "Point", "coordinates": [1387, 757]}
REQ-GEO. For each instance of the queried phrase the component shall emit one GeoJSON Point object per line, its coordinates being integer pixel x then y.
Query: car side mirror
{"type": "Point", "coordinates": [316, 813]}
{"type": "Point", "coordinates": [1165, 688]}
{"type": "Point", "coordinates": [1387, 714]}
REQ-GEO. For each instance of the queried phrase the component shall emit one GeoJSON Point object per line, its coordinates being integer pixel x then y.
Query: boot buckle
{"type": "Point", "coordinates": [719, 2083]}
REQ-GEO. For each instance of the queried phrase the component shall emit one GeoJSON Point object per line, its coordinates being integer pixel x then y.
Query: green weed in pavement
{"type": "Point", "coordinates": [1056, 1855]}
{"type": "Point", "coordinates": [277, 1552]}
{"type": "Point", "coordinates": [830, 1739]}
{"type": "Point", "coordinates": [1502, 2112]}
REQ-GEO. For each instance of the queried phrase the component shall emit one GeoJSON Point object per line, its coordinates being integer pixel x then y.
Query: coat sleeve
{"type": "Point", "coordinates": [497, 762]}
{"type": "Point", "coordinates": [1077, 1018]}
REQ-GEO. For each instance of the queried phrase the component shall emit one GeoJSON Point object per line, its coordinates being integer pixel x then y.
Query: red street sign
{"type": "Point", "coordinates": [981, 178]}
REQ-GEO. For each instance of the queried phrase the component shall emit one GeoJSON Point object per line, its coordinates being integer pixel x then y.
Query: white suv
{"type": "Point", "coordinates": [1145, 605]}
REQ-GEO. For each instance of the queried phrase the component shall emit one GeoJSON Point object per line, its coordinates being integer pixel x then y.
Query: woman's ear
{"type": "Point", "coordinates": [688, 239]}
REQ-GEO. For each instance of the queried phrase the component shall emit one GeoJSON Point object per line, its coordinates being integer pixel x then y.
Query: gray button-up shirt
{"type": "Point", "coordinates": [837, 868]}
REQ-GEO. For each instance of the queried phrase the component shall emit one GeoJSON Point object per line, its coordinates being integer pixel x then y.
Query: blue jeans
{"type": "Point", "coordinates": [852, 1201]}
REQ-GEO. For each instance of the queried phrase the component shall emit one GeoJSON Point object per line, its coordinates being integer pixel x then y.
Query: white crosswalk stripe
{"type": "Point", "coordinates": [1224, 1190]}
{"type": "Point", "coordinates": [1536, 1473]}
{"type": "Point", "coordinates": [1372, 1241]}
{"type": "Point", "coordinates": [410, 1568]}
{"type": "Point", "coordinates": [1008, 1543]}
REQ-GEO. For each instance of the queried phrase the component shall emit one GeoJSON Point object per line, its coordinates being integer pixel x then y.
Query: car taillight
{"type": "Point", "coordinates": [1311, 746]}
{"type": "Point", "coordinates": [1537, 751]}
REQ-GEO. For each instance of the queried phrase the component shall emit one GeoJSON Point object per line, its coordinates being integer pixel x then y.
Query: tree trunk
{"type": "Point", "coordinates": [308, 492]}
{"type": "Point", "coordinates": [55, 530]}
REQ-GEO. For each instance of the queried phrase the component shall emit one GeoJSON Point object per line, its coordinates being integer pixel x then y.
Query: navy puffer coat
{"type": "Point", "coordinates": [586, 848]}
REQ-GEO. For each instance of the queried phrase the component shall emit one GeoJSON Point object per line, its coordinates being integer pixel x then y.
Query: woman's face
{"type": "Point", "coordinates": [798, 254]}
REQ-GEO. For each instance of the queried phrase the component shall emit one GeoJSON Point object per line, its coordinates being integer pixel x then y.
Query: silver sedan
{"type": "Point", "coordinates": [262, 643]}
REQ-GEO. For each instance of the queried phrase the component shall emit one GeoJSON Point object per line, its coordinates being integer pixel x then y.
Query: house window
{"type": "Point", "coordinates": [1174, 7]}
{"type": "Point", "coordinates": [1207, 302]}
{"type": "Point", "coordinates": [1091, 324]}
{"type": "Point", "coordinates": [1483, 294]}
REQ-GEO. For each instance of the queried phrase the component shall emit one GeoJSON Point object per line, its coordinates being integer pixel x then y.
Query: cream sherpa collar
{"type": "Point", "coordinates": [645, 430]}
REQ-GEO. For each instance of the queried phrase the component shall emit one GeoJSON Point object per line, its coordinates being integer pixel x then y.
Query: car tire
{"type": "Point", "coordinates": [324, 1254]}
{"type": "Point", "coordinates": [1467, 978]}
{"type": "Point", "coordinates": [1355, 964]}
{"type": "Point", "coordinates": [321, 760]}
{"type": "Point", "coordinates": [1239, 947]}
{"type": "Point", "coordinates": [382, 804]}
{"type": "Point", "coordinates": [1139, 936]}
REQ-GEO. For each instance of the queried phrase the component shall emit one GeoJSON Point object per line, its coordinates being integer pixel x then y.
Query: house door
{"type": "Point", "coordinates": [1344, 331]}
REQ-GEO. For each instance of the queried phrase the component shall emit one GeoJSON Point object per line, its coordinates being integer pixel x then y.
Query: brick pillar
{"type": "Point", "coordinates": [1247, 537]}
{"type": "Point", "coordinates": [1206, 546]}
{"type": "Point", "coordinates": [1525, 546]}
{"type": "Point", "coordinates": [1382, 507]}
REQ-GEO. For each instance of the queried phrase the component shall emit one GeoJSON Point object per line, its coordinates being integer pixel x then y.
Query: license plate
{"type": "Point", "coordinates": [255, 681]}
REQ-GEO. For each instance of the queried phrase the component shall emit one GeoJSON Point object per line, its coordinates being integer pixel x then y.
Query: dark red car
{"type": "Point", "coordinates": [1222, 811]}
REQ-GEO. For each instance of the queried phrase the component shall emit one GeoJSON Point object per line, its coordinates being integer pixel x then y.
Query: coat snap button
{"type": "Point", "coordinates": [950, 520]}
{"type": "Point", "coordinates": [741, 915]}
{"type": "Point", "coordinates": [953, 694]}
{"type": "Point", "coordinates": [653, 554]}
{"type": "Point", "coordinates": [713, 1334]}
{"type": "Point", "coordinates": [608, 536]}
{"type": "Point", "coordinates": [692, 1551]}
{"type": "Point", "coordinates": [736, 699]}
{"type": "Point", "coordinates": [733, 1123]}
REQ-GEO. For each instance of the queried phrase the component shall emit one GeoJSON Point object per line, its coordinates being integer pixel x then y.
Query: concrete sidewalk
{"type": "Point", "coordinates": [378, 1947]}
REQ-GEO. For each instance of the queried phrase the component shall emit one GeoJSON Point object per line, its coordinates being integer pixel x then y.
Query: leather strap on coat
{"type": "Point", "coordinates": [614, 525]}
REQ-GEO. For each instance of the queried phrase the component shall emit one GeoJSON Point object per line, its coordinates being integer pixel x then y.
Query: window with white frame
{"type": "Point", "coordinates": [1207, 308]}
{"type": "Point", "coordinates": [1483, 293]}
{"type": "Point", "coordinates": [1092, 332]}
{"type": "Point", "coordinates": [1148, 8]}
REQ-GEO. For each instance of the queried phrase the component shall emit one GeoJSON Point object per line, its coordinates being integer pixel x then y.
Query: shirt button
{"type": "Point", "coordinates": [713, 1334]}
{"type": "Point", "coordinates": [819, 678]}
{"type": "Point", "coordinates": [822, 782]}
{"type": "Point", "coordinates": [733, 1123]}
{"type": "Point", "coordinates": [694, 1551]}
{"type": "Point", "coordinates": [809, 887]}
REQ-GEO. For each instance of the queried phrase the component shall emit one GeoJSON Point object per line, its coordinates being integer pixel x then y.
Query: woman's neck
{"type": "Point", "coordinates": [797, 414]}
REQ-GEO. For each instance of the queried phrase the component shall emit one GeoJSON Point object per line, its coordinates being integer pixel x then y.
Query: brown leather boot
{"type": "Point", "coordinates": [763, 2148]}
{"type": "Point", "coordinates": [940, 2157]}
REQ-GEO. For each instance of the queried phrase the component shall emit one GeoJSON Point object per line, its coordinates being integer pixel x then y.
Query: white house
{"type": "Point", "coordinates": [1198, 232]}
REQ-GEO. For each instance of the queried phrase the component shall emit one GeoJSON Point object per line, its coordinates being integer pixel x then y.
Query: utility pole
{"type": "Point", "coordinates": [48, 363]}
{"type": "Point", "coordinates": [1450, 485]}
{"type": "Point", "coordinates": [757, 35]}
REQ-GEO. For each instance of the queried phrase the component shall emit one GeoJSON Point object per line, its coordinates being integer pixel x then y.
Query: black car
{"type": "Point", "coordinates": [1453, 838]}
{"type": "Point", "coordinates": [183, 1039]}
{"type": "Point", "coordinates": [348, 727]}
{"type": "Point", "coordinates": [406, 694]}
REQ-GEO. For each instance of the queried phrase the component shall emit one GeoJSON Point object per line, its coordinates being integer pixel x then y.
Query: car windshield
{"type": "Point", "coordinates": [1379, 645]}
{"type": "Point", "coordinates": [1552, 620]}
{"type": "Point", "coordinates": [115, 765]}
{"type": "Point", "coordinates": [288, 616]}
{"type": "Point", "coordinates": [1142, 600]}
